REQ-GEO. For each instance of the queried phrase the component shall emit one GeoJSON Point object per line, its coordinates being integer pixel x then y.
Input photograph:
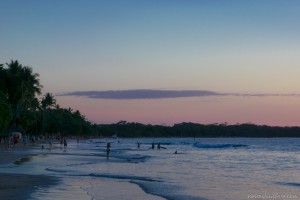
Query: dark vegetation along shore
{"type": "Point", "coordinates": [125, 129]}
{"type": "Point", "coordinates": [24, 109]}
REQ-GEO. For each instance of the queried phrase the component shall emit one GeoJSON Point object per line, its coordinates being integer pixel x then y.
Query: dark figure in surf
{"type": "Point", "coordinates": [107, 150]}
{"type": "Point", "coordinates": [138, 145]}
{"type": "Point", "coordinates": [65, 143]}
{"type": "Point", "coordinates": [152, 145]}
{"type": "Point", "coordinates": [158, 146]}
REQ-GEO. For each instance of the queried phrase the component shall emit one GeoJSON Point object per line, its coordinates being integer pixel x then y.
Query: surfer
{"type": "Point", "coordinates": [158, 146]}
{"type": "Point", "coordinates": [138, 145]}
{"type": "Point", "coordinates": [152, 145]}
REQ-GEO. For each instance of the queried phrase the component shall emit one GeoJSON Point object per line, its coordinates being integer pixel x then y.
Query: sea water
{"type": "Point", "coordinates": [201, 168]}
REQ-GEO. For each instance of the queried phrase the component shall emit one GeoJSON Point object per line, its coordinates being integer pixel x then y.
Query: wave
{"type": "Point", "coordinates": [124, 177]}
{"type": "Point", "coordinates": [87, 163]}
{"type": "Point", "coordinates": [168, 192]}
{"type": "Point", "coordinates": [56, 170]}
{"type": "Point", "coordinates": [138, 159]}
{"type": "Point", "coordinates": [133, 158]}
{"type": "Point", "coordinates": [218, 146]}
{"type": "Point", "coordinates": [23, 160]}
{"type": "Point", "coordinates": [151, 186]}
{"type": "Point", "coordinates": [161, 143]}
{"type": "Point", "coordinates": [289, 184]}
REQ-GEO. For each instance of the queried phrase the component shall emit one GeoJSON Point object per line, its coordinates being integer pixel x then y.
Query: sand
{"type": "Point", "coordinates": [19, 186]}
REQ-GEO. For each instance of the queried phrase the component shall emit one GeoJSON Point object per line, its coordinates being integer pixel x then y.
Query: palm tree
{"type": "Point", "coordinates": [5, 112]}
{"type": "Point", "coordinates": [22, 87]}
{"type": "Point", "coordinates": [47, 103]}
{"type": "Point", "coordinates": [2, 78]}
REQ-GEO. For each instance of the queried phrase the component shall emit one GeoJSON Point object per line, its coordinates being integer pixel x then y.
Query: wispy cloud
{"type": "Point", "coordinates": [159, 94]}
{"type": "Point", "coordinates": [141, 94]}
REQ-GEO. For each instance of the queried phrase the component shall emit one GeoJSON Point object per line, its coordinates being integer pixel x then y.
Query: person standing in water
{"type": "Point", "coordinates": [152, 145]}
{"type": "Point", "coordinates": [65, 143]}
{"type": "Point", "coordinates": [107, 150]}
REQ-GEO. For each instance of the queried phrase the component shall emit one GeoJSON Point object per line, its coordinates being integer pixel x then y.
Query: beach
{"type": "Point", "coordinates": [202, 169]}
{"type": "Point", "coordinates": [20, 183]}
{"type": "Point", "coordinates": [19, 186]}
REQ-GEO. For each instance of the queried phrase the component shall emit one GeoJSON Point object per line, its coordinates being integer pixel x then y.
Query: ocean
{"type": "Point", "coordinates": [201, 169]}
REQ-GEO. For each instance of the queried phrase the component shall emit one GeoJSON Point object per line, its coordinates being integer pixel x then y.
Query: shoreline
{"type": "Point", "coordinates": [21, 186]}
{"type": "Point", "coordinates": [13, 154]}
{"type": "Point", "coordinates": [15, 185]}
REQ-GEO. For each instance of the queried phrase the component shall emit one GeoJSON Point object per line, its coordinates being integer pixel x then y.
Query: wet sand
{"type": "Point", "coordinates": [19, 186]}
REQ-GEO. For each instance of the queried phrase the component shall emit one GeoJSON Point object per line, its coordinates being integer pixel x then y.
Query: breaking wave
{"type": "Point", "coordinates": [124, 177]}
{"type": "Point", "coordinates": [218, 146]}
{"type": "Point", "coordinates": [289, 184]}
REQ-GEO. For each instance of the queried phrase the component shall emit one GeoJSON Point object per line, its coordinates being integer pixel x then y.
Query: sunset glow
{"type": "Point", "coordinates": [246, 52]}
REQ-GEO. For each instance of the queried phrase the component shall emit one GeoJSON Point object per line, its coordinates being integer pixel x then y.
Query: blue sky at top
{"type": "Point", "coordinates": [222, 46]}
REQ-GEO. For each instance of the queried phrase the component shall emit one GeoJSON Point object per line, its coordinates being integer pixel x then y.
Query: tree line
{"type": "Point", "coordinates": [186, 129]}
{"type": "Point", "coordinates": [24, 109]}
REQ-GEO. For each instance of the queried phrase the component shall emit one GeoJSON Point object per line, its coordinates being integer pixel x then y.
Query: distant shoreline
{"type": "Point", "coordinates": [187, 129]}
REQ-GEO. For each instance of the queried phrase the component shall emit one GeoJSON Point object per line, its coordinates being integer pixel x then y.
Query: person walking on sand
{"type": "Point", "coordinates": [107, 150]}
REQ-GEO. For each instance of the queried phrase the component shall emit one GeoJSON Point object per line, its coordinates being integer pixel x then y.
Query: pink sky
{"type": "Point", "coordinates": [277, 111]}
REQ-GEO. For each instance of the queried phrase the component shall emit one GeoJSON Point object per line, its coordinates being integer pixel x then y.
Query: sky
{"type": "Point", "coordinates": [161, 61]}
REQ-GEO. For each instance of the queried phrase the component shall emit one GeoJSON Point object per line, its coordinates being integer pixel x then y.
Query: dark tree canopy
{"type": "Point", "coordinates": [21, 109]}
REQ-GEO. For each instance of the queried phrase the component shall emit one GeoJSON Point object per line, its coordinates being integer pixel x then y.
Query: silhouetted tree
{"type": "Point", "coordinates": [5, 112]}
{"type": "Point", "coordinates": [22, 85]}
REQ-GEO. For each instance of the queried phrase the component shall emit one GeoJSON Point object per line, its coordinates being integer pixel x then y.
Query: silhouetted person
{"type": "Point", "coordinates": [138, 145]}
{"type": "Point", "coordinates": [107, 150]}
{"type": "Point", "coordinates": [158, 146]}
{"type": "Point", "coordinates": [65, 143]}
{"type": "Point", "coordinates": [152, 145]}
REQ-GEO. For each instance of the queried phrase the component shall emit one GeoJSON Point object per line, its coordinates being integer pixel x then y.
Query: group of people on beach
{"type": "Point", "coordinates": [11, 140]}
